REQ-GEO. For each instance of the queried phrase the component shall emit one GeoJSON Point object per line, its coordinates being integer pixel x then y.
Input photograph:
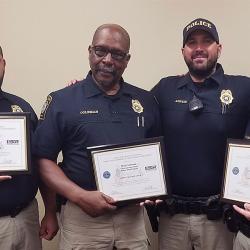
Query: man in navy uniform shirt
{"type": "Point", "coordinates": [199, 111]}
{"type": "Point", "coordinates": [19, 222]}
{"type": "Point", "coordinates": [102, 109]}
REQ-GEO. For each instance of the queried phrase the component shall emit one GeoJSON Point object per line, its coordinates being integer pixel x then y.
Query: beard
{"type": "Point", "coordinates": [106, 77]}
{"type": "Point", "coordinates": [201, 71]}
{"type": "Point", "coordinates": [107, 81]}
{"type": "Point", "coordinates": [1, 81]}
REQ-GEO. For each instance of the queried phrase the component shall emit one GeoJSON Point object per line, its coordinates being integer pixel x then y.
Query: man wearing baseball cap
{"type": "Point", "coordinates": [199, 112]}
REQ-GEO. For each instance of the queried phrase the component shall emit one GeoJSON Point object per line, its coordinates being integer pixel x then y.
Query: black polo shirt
{"type": "Point", "coordinates": [195, 142]}
{"type": "Point", "coordinates": [21, 189]}
{"type": "Point", "coordinates": [81, 115]}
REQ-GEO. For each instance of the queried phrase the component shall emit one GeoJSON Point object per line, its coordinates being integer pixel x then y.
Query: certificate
{"type": "Point", "coordinates": [14, 143]}
{"type": "Point", "coordinates": [132, 171]}
{"type": "Point", "coordinates": [236, 181]}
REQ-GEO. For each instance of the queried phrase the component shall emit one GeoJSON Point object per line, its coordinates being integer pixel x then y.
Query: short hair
{"type": "Point", "coordinates": [1, 51]}
{"type": "Point", "coordinates": [117, 27]}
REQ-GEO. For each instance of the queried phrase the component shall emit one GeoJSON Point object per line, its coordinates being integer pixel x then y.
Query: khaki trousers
{"type": "Point", "coordinates": [241, 242]}
{"type": "Point", "coordinates": [22, 231]}
{"type": "Point", "coordinates": [121, 229]}
{"type": "Point", "coordinates": [187, 232]}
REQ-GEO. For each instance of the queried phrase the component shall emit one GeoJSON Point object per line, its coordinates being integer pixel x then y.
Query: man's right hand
{"type": "Point", "coordinates": [5, 177]}
{"type": "Point", "coordinates": [95, 203]}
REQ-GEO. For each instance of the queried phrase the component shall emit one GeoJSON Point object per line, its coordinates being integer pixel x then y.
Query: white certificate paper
{"type": "Point", "coordinates": [130, 172]}
{"type": "Point", "coordinates": [237, 173]}
{"type": "Point", "coordinates": [13, 143]}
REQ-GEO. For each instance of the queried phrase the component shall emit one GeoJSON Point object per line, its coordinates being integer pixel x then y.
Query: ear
{"type": "Point", "coordinates": [182, 50]}
{"type": "Point", "coordinates": [219, 49]}
{"type": "Point", "coordinates": [89, 49]}
{"type": "Point", "coordinates": [128, 57]}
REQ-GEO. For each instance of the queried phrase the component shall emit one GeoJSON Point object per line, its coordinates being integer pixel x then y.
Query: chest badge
{"type": "Point", "coordinates": [137, 107]}
{"type": "Point", "coordinates": [226, 99]}
{"type": "Point", "coordinates": [16, 108]}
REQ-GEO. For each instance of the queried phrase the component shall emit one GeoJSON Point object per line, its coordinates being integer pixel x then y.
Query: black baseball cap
{"type": "Point", "coordinates": [200, 24]}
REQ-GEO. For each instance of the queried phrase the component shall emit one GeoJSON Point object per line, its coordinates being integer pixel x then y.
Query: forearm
{"type": "Point", "coordinates": [92, 202]}
{"type": "Point", "coordinates": [56, 180]}
{"type": "Point", "coordinates": [49, 198]}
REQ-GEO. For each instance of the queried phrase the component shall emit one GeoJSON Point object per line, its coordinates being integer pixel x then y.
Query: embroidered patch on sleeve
{"type": "Point", "coordinates": [45, 107]}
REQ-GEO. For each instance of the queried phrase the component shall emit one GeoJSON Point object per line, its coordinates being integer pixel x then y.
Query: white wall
{"type": "Point", "coordinates": [45, 42]}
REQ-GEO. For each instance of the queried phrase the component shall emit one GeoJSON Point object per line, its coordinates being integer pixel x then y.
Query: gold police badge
{"type": "Point", "coordinates": [45, 107]}
{"type": "Point", "coordinates": [16, 108]}
{"type": "Point", "coordinates": [137, 107]}
{"type": "Point", "coordinates": [226, 98]}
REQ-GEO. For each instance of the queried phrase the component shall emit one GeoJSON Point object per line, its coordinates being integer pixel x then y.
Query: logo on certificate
{"type": "Point", "coordinates": [150, 168]}
{"type": "Point", "coordinates": [106, 174]}
{"type": "Point", "coordinates": [235, 170]}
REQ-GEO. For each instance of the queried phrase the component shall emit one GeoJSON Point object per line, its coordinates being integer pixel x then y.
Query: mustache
{"type": "Point", "coordinates": [110, 70]}
{"type": "Point", "coordinates": [199, 53]}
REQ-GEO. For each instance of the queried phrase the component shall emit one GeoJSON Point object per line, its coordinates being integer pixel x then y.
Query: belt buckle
{"type": "Point", "coordinates": [193, 207]}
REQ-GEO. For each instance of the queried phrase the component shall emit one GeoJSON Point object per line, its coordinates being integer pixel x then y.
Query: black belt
{"type": "Point", "coordinates": [14, 211]}
{"type": "Point", "coordinates": [188, 205]}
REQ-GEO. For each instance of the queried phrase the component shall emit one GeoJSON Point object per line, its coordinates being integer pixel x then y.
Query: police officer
{"type": "Point", "coordinates": [102, 109]}
{"type": "Point", "coordinates": [19, 222]}
{"type": "Point", "coordinates": [199, 111]}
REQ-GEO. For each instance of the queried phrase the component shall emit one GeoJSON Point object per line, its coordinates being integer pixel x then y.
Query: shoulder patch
{"type": "Point", "coordinates": [16, 108]}
{"type": "Point", "coordinates": [45, 107]}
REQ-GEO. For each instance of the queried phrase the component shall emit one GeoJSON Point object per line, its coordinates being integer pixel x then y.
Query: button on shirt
{"type": "Point", "coordinates": [82, 115]}
{"type": "Point", "coordinates": [21, 189]}
{"type": "Point", "coordinates": [196, 142]}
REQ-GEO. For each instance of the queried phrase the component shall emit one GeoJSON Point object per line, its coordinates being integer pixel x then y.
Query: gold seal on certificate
{"type": "Point", "coordinates": [132, 171]}
{"type": "Point", "coordinates": [236, 181]}
{"type": "Point", "coordinates": [14, 143]}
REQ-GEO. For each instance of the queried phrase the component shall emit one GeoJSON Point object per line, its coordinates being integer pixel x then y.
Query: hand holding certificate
{"type": "Point", "coordinates": [133, 171]}
{"type": "Point", "coordinates": [236, 183]}
{"type": "Point", "coordinates": [14, 143]}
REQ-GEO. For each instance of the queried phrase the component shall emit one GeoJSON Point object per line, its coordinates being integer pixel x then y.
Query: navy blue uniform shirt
{"type": "Point", "coordinates": [196, 142]}
{"type": "Point", "coordinates": [21, 189]}
{"type": "Point", "coordinates": [81, 115]}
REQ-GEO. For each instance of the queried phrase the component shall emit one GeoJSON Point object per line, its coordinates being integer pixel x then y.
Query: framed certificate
{"type": "Point", "coordinates": [14, 143]}
{"type": "Point", "coordinates": [131, 172]}
{"type": "Point", "coordinates": [236, 181]}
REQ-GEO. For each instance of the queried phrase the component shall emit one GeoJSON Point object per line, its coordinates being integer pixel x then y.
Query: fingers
{"type": "Point", "coordinates": [72, 82]}
{"type": "Point", "coordinates": [42, 232]}
{"type": "Point", "coordinates": [247, 206]}
{"type": "Point", "coordinates": [245, 212]}
{"type": "Point", "coordinates": [47, 235]}
{"type": "Point", "coordinates": [5, 177]}
{"type": "Point", "coordinates": [158, 201]}
{"type": "Point", "coordinates": [108, 199]}
{"type": "Point", "coordinates": [147, 202]}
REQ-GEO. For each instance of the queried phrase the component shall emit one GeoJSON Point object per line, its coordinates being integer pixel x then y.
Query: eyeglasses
{"type": "Point", "coordinates": [116, 54]}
